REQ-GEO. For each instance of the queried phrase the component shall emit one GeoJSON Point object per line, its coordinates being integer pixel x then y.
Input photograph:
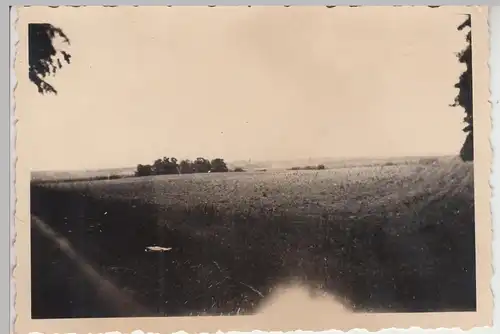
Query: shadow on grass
{"type": "Point", "coordinates": [231, 263]}
{"type": "Point", "coordinates": [58, 288]}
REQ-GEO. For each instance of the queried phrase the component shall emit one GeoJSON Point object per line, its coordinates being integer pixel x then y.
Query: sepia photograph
{"type": "Point", "coordinates": [199, 161]}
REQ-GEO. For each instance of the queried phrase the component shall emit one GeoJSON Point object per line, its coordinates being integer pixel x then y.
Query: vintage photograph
{"type": "Point", "coordinates": [193, 161]}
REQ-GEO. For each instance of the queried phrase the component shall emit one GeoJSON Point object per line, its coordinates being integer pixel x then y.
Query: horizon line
{"type": "Point", "coordinates": [262, 161]}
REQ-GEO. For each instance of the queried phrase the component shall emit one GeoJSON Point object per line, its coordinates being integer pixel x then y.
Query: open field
{"type": "Point", "coordinates": [383, 238]}
{"type": "Point", "coordinates": [57, 176]}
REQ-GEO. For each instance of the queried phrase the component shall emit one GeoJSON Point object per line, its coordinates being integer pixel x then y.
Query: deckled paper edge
{"type": "Point", "coordinates": [494, 90]}
{"type": "Point", "coordinates": [495, 199]}
{"type": "Point", "coordinates": [14, 41]}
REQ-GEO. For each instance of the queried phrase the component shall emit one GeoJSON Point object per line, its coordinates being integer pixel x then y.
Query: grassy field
{"type": "Point", "coordinates": [381, 238]}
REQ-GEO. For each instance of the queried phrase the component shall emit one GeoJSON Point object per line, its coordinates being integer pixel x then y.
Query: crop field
{"type": "Point", "coordinates": [381, 238]}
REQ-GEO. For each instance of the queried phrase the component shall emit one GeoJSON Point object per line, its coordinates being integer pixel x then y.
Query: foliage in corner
{"type": "Point", "coordinates": [464, 97]}
{"type": "Point", "coordinates": [43, 55]}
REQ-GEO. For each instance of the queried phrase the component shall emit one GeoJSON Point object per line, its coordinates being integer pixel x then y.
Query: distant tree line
{"type": "Point", "coordinates": [318, 167]}
{"type": "Point", "coordinates": [170, 165]}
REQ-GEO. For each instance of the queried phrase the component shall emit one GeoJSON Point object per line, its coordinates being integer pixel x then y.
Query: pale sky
{"type": "Point", "coordinates": [245, 83]}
